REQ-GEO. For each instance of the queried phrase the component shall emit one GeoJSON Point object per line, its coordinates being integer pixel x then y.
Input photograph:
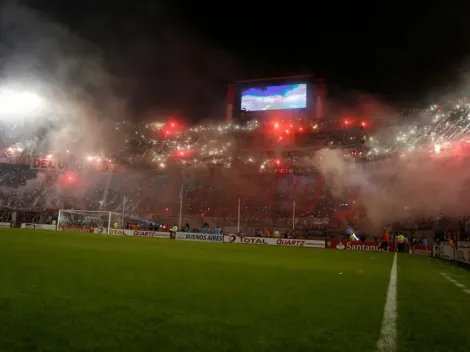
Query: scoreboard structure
{"type": "Point", "coordinates": [293, 97]}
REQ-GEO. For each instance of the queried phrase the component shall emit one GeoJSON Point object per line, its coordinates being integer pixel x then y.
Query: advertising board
{"type": "Point", "coordinates": [445, 251]}
{"type": "Point", "coordinates": [153, 234]}
{"type": "Point", "coordinates": [5, 224]}
{"type": "Point", "coordinates": [31, 226]}
{"type": "Point", "coordinates": [104, 231]}
{"type": "Point", "coordinates": [463, 255]}
{"type": "Point", "coordinates": [360, 246]}
{"type": "Point", "coordinates": [127, 232]}
{"type": "Point", "coordinates": [75, 228]}
{"type": "Point", "coordinates": [421, 250]}
{"type": "Point", "coordinates": [274, 241]}
{"type": "Point", "coordinates": [186, 236]}
{"type": "Point", "coordinates": [274, 97]}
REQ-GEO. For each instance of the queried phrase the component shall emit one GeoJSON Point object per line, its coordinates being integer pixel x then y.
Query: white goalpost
{"type": "Point", "coordinates": [88, 220]}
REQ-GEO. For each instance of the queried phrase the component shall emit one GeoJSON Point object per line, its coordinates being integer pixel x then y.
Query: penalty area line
{"type": "Point", "coordinates": [388, 333]}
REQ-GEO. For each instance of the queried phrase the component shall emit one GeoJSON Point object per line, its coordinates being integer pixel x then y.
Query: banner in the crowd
{"type": "Point", "coordinates": [463, 255]}
{"type": "Point", "coordinates": [38, 226]}
{"type": "Point", "coordinates": [127, 232]}
{"type": "Point", "coordinates": [359, 246]}
{"type": "Point", "coordinates": [39, 163]}
{"type": "Point", "coordinates": [186, 236]}
{"type": "Point", "coordinates": [298, 171]}
{"type": "Point", "coordinates": [75, 228]}
{"type": "Point", "coordinates": [444, 251]}
{"type": "Point", "coordinates": [274, 241]}
{"type": "Point", "coordinates": [307, 223]}
{"type": "Point", "coordinates": [421, 250]}
{"type": "Point", "coordinates": [5, 224]}
{"type": "Point", "coordinates": [48, 162]}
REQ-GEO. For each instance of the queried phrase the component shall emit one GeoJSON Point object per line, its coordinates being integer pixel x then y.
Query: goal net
{"type": "Point", "coordinates": [88, 220]}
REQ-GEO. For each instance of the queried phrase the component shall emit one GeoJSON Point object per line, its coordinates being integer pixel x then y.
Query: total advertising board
{"type": "Point", "coordinates": [274, 241]}
{"type": "Point", "coordinates": [359, 246]}
{"type": "Point", "coordinates": [31, 226]}
{"type": "Point", "coordinates": [127, 232]}
{"type": "Point", "coordinates": [204, 237]}
{"type": "Point", "coordinates": [5, 224]}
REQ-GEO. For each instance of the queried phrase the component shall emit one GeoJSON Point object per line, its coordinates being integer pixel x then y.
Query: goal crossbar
{"type": "Point", "coordinates": [75, 211]}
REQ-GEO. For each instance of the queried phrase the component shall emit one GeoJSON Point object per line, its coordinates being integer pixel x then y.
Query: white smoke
{"type": "Point", "coordinates": [400, 187]}
{"type": "Point", "coordinates": [40, 57]}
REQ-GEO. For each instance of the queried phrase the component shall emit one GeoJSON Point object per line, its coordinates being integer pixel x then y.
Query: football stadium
{"type": "Point", "coordinates": [276, 228]}
{"type": "Point", "coordinates": [278, 221]}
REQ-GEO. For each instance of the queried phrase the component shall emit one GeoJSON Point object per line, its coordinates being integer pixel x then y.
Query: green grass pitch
{"type": "Point", "coordinates": [83, 292]}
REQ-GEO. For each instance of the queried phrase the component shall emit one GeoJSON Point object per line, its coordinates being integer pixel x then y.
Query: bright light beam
{"type": "Point", "coordinates": [14, 104]}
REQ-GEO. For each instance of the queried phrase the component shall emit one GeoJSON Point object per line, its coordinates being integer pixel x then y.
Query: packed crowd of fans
{"type": "Point", "coordinates": [148, 194]}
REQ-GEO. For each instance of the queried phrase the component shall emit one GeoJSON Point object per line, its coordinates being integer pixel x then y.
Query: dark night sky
{"type": "Point", "coordinates": [174, 55]}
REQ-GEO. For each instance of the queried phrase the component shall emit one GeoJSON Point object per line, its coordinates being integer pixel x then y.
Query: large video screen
{"type": "Point", "coordinates": [281, 97]}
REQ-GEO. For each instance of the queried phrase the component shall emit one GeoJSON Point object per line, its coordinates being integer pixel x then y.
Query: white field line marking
{"type": "Point", "coordinates": [456, 283]}
{"type": "Point", "coordinates": [388, 334]}
{"type": "Point", "coordinates": [455, 275]}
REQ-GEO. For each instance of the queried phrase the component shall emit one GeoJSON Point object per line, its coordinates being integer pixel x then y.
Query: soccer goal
{"type": "Point", "coordinates": [88, 220]}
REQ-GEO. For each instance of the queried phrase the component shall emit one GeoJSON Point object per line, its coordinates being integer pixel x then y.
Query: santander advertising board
{"type": "Point", "coordinates": [359, 246]}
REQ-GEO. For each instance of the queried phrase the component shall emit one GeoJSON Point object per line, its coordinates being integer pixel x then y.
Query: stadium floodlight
{"type": "Point", "coordinates": [88, 220]}
{"type": "Point", "coordinates": [20, 104]}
